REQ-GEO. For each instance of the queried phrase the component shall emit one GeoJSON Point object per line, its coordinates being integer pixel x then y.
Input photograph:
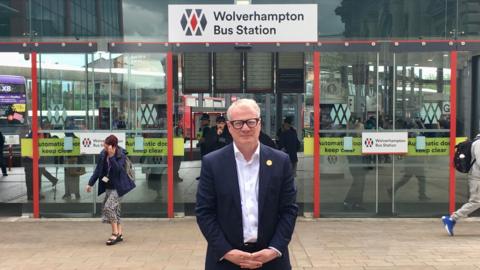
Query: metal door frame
{"type": "Point", "coordinates": [34, 48]}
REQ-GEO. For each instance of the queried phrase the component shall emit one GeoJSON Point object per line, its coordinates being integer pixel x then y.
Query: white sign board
{"type": "Point", "coordinates": [384, 142]}
{"type": "Point", "coordinates": [12, 139]}
{"type": "Point", "coordinates": [242, 23]}
{"type": "Point", "coordinates": [92, 143]}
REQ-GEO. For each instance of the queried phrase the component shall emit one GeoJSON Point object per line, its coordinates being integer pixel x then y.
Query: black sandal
{"type": "Point", "coordinates": [113, 241]}
{"type": "Point", "coordinates": [120, 238]}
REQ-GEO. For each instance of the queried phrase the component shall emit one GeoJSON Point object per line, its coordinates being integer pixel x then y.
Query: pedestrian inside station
{"type": "Point", "coordinates": [341, 85]}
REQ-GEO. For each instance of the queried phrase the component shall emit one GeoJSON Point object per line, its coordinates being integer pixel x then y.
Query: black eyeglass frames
{"type": "Point", "coordinates": [238, 124]}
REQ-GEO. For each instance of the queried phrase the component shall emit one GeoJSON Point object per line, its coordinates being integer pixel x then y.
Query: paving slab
{"type": "Point", "coordinates": [166, 244]}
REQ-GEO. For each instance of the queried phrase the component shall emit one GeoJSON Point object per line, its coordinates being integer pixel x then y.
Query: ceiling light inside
{"type": "Point", "coordinates": [243, 2]}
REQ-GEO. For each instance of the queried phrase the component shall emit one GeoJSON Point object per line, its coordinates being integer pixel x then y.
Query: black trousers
{"type": "Point", "coordinates": [2, 163]}
{"type": "Point", "coordinates": [250, 247]}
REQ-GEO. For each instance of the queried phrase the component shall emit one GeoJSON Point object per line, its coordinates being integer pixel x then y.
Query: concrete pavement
{"type": "Point", "coordinates": [178, 244]}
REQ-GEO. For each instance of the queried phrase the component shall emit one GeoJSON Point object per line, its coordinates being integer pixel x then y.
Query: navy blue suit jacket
{"type": "Point", "coordinates": [219, 212]}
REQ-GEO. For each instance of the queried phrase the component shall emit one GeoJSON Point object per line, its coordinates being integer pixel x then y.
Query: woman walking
{"type": "Point", "coordinates": [114, 182]}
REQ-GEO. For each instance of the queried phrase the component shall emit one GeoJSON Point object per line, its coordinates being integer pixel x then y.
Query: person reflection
{"type": "Point", "coordinates": [414, 165]}
{"type": "Point", "coordinates": [288, 141]}
{"type": "Point", "coordinates": [156, 169]}
{"type": "Point", "coordinates": [177, 160]}
{"type": "Point", "coordinates": [218, 136]}
{"type": "Point", "coordinates": [357, 166]}
{"type": "Point", "coordinates": [27, 162]}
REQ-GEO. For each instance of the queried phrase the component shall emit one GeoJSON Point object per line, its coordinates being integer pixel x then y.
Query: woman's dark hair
{"type": "Point", "coordinates": [112, 140]}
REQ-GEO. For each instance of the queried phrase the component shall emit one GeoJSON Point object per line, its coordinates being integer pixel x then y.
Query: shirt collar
{"type": "Point", "coordinates": [239, 154]}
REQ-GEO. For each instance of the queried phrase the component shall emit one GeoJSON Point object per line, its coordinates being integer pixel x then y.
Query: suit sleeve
{"type": "Point", "coordinates": [206, 212]}
{"type": "Point", "coordinates": [288, 210]}
{"type": "Point", "coordinates": [96, 173]}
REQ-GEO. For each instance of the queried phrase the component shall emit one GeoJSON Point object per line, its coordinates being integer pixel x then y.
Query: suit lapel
{"type": "Point", "coordinates": [263, 178]}
{"type": "Point", "coordinates": [232, 177]}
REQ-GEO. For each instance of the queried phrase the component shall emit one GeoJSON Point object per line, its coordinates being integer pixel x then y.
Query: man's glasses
{"type": "Point", "coordinates": [251, 123]}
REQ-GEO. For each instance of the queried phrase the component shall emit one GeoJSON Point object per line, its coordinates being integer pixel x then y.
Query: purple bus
{"type": "Point", "coordinates": [13, 100]}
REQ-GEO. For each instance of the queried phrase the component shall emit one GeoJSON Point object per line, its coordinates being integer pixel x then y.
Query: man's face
{"type": "Point", "coordinates": [221, 125]}
{"type": "Point", "coordinates": [205, 122]}
{"type": "Point", "coordinates": [244, 135]}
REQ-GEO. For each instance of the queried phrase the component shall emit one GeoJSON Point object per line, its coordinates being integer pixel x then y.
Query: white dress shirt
{"type": "Point", "coordinates": [248, 177]}
{"type": "Point", "coordinates": [248, 180]}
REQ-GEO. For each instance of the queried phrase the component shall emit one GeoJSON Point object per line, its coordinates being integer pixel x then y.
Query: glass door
{"type": "Point", "coordinates": [421, 106]}
{"type": "Point", "coordinates": [208, 82]}
{"type": "Point", "coordinates": [134, 105]}
{"type": "Point", "coordinates": [16, 191]}
{"type": "Point", "coordinates": [468, 110]}
{"type": "Point", "coordinates": [402, 89]}
{"type": "Point", "coordinates": [83, 98]}
{"type": "Point", "coordinates": [64, 114]}
{"type": "Point", "coordinates": [349, 105]}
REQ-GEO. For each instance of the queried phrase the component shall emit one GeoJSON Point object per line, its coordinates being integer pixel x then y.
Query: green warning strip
{"type": "Point", "coordinates": [334, 146]}
{"type": "Point", "coordinates": [53, 147]}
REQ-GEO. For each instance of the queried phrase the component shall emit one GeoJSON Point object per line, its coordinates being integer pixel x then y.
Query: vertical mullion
{"type": "Point", "coordinates": [377, 116]}
{"type": "Point", "coordinates": [170, 196]}
{"type": "Point", "coordinates": [453, 125]}
{"type": "Point", "coordinates": [316, 134]}
{"type": "Point", "coordinates": [35, 150]}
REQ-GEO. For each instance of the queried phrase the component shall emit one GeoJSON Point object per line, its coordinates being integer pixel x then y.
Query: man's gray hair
{"type": "Point", "coordinates": [243, 102]}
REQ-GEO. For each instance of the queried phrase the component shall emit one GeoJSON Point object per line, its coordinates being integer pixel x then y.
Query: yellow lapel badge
{"type": "Point", "coordinates": [269, 162]}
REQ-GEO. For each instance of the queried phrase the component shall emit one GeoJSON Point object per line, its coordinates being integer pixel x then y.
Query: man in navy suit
{"type": "Point", "coordinates": [246, 198]}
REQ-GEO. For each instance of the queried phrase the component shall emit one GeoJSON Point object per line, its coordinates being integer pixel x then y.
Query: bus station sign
{"type": "Point", "coordinates": [92, 143]}
{"type": "Point", "coordinates": [242, 23]}
{"type": "Point", "coordinates": [384, 142]}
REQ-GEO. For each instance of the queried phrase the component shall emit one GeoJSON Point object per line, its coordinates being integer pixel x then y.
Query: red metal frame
{"type": "Point", "coordinates": [316, 134]}
{"type": "Point", "coordinates": [325, 41]}
{"type": "Point", "coordinates": [192, 131]}
{"type": "Point", "coordinates": [35, 150]}
{"type": "Point", "coordinates": [170, 105]}
{"type": "Point", "coordinates": [316, 88]}
{"type": "Point", "coordinates": [453, 125]}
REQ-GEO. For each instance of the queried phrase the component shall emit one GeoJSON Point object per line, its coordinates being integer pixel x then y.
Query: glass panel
{"type": "Point", "coordinates": [138, 110]}
{"type": "Point", "coordinates": [258, 73]}
{"type": "Point", "coordinates": [408, 19]}
{"type": "Point", "coordinates": [195, 115]}
{"type": "Point", "coordinates": [196, 73]}
{"type": "Point", "coordinates": [422, 100]}
{"type": "Point", "coordinates": [468, 111]}
{"type": "Point", "coordinates": [283, 121]}
{"type": "Point", "coordinates": [348, 106]}
{"type": "Point", "coordinates": [294, 126]}
{"type": "Point", "coordinates": [148, 18]}
{"type": "Point", "coordinates": [361, 19]}
{"type": "Point", "coordinates": [228, 72]}
{"type": "Point", "coordinates": [15, 93]}
{"type": "Point", "coordinates": [14, 19]}
{"type": "Point", "coordinates": [42, 20]}
{"type": "Point", "coordinates": [191, 109]}
{"type": "Point", "coordinates": [468, 19]}
{"type": "Point", "coordinates": [88, 97]}
{"type": "Point", "coordinates": [63, 116]}
{"type": "Point", "coordinates": [100, 93]}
